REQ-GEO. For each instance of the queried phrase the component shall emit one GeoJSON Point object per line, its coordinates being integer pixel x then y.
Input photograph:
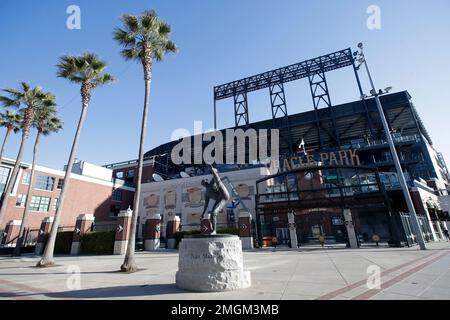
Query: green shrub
{"type": "Point", "coordinates": [63, 243]}
{"type": "Point", "coordinates": [98, 242]}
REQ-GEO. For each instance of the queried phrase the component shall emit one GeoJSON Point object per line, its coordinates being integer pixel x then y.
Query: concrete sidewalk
{"type": "Point", "coordinates": [306, 273]}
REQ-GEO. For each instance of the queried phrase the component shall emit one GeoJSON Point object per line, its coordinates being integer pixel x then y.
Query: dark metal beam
{"type": "Point", "coordinates": [278, 101]}
{"type": "Point", "coordinates": [332, 61]}
{"type": "Point", "coordinates": [241, 109]}
{"type": "Point", "coordinates": [279, 110]}
{"type": "Point", "coordinates": [321, 100]}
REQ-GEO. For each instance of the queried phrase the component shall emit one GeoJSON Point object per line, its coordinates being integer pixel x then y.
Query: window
{"type": "Point", "coordinates": [130, 173]}
{"type": "Point", "coordinates": [40, 204]}
{"type": "Point", "coordinates": [21, 200]}
{"type": "Point", "coordinates": [117, 195]}
{"type": "Point", "coordinates": [45, 183]}
{"type": "Point", "coordinates": [26, 178]}
{"type": "Point", "coordinates": [60, 183]}
{"type": "Point", "coordinates": [55, 204]}
{"type": "Point", "coordinates": [119, 175]}
{"type": "Point", "coordinates": [4, 174]}
{"type": "Point", "coordinates": [115, 210]}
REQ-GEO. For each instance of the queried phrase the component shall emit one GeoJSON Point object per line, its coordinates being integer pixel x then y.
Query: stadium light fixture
{"type": "Point", "coordinates": [401, 177]}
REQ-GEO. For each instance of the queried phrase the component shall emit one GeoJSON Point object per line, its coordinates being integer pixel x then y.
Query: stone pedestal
{"type": "Point", "coordinates": [205, 224]}
{"type": "Point", "coordinates": [46, 226]}
{"type": "Point", "coordinates": [350, 229]}
{"type": "Point", "coordinates": [211, 264]}
{"type": "Point", "coordinates": [292, 230]}
{"type": "Point", "coordinates": [172, 227]}
{"type": "Point", "coordinates": [245, 229]}
{"type": "Point", "coordinates": [152, 232]}
{"type": "Point", "coordinates": [82, 226]}
{"type": "Point", "coordinates": [122, 231]}
{"type": "Point", "coordinates": [12, 230]}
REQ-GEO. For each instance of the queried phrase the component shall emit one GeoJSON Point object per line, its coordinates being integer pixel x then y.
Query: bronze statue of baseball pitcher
{"type": "Point", "coordinates": [215, 190]}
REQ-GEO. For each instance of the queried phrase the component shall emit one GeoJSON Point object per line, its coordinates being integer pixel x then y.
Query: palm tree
{"type": "Point", "coordinates": [11, 121]}
{"type": "Point", "coordinates": [45, 122]}
{"type": "Point", "coordinates": [89, 71]}
{"type": "Point", "coordinates": [144, 38]}
{"type": "Point", "coordinates": [27, 100]}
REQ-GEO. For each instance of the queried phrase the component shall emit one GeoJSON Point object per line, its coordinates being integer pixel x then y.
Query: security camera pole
{"type": "Point", "coordinates": [398, 167]}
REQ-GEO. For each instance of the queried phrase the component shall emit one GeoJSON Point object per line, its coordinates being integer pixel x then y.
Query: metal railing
{"type": "Point", "coordinates": [129, 162]}
{"type": "Point", "coordinates": [30, 237]}
{"type": "Point", "coordinates": [380, 142]}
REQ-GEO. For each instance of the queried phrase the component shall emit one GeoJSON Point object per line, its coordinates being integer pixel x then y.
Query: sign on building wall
{"type": "Point", "coordinates": [338, 158]}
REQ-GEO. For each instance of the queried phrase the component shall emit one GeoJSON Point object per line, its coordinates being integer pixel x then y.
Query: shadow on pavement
{"type": "Point", "coordinates": [117, 292]}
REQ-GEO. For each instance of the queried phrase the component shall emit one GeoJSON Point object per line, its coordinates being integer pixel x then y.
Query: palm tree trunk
{"type": "Point", "coordinates": [28, 198]}
{"type": "Point", "coordinates": [14, 174]}
{"type": "Point", "coordinates": [129, 263]}
{"type": "Point", "coordinates": [5, 142]}
{"type": "Point", "coordinates": [47, 258]}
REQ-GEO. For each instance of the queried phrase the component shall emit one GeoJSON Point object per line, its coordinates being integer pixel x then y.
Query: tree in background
{"type": "Point", "coordinates": [11, 121]}
{"type": "Point", "coordinates": [27, 100]}
{"type": "Point", "coordinates": [88, 71]}
{"type": "Point", "coordinates": [144, 38]}
{"type": "Point", "coordinates": [45, 122]}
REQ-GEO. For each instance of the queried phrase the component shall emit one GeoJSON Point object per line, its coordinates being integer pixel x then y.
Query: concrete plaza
{"type": "Point", "coordinates": [306, 273]}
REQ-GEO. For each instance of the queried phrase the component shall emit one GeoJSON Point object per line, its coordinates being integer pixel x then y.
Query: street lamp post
{"type": "Point", "coordinates": [415, 221]}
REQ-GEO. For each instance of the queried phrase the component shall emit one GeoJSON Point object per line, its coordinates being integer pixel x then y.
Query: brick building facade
{"type": "Point", "coordinates": [92, 190]}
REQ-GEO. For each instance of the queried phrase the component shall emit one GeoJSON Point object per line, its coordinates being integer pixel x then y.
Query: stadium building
{"type": "Point", "coordinates": [332, 179]}
{"type": "Point", "coordinates": [335, 168]}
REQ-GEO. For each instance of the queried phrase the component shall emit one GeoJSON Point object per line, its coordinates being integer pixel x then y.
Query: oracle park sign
{"type": "Point", "coordinates": [321, 159]}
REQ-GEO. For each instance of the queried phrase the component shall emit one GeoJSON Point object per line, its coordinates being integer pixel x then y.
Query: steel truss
{"type": "Point", "coordinates": [241, 108]}
{"type": "Point", "coordinates": [314, 69]}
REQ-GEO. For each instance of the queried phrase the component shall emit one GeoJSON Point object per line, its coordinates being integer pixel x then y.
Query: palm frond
{"type": "Point", "coordinates": [123, 37]}
{"type": "Point", "coordinates": [101, 80]}
{"type": "Point", "coordinates": [28, 102]}
{"type": "Point", "coordinates": [144, 31]}
{"type": "Point", "coordinates": [85, 67]}
{"type": "Point", "coordinates": [131, 54]}
{"type": "Point", "coordinates": [8, 102]}
{"type": "Point", "coordinates": [131, 22]}
{"type": "Point", "coordinates": [11, 119]}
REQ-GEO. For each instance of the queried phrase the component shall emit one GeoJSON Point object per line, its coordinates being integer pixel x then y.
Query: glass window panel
{"type": "Point", "coordinates": [40, 204]}
{"type": "Point", "coordinates": [26, 178]}
{"type": "Point", "coordinates": [21, 200]}
{"type": "Point", "coordinates": [60, 183]}
{"type": "Point", "coordinates": [4, 174]}
{"type": "Point", "coordinates": [117, 195]}
{"type": "Point", "coordinates": [45, 183]}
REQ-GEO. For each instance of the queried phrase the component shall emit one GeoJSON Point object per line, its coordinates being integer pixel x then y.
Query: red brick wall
{"type": "Point", "coordinates": [82, 197]}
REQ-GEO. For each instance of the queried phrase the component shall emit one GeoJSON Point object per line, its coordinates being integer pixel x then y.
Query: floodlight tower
{"type": "Point", "coordinates": [415, 221]}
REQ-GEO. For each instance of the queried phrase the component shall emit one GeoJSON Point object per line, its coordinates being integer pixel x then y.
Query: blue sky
{"type": "Point", "coordinates": [219, 41]}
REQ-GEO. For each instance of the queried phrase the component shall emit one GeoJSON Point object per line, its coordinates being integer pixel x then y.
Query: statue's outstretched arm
{"type": "Point", "coordinates": [222, 188]}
